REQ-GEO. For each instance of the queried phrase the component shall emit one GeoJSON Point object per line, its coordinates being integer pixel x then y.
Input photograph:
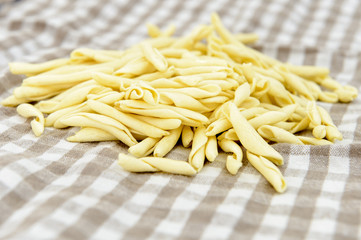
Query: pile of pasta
{"type": "Point", "coordinates": [207, 89]}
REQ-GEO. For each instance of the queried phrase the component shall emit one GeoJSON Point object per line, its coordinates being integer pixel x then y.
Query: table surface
{"type": "Point", "coordinates": [54, 189]}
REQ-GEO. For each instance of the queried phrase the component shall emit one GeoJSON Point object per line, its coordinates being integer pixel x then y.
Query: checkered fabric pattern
{"type": "Point", "coordinates": [54, 189]}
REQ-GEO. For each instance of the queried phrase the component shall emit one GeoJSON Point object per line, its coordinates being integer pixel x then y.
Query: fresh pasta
{"type": "Point", "coordinates": [205, 90]}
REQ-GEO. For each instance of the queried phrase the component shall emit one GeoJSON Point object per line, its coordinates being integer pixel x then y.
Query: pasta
{"type": "Point", "coordinates": [207, 89]}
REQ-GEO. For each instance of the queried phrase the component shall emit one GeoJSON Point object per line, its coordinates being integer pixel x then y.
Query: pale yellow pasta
{"type": "Point", "coordinates": [249, 113]}
{"type": "Point", "coordinates": [136, 67]}
{"type": "Point", "coordinates": [234, 161]}
{"type": "Point", "coordinates": [162, 123]}
{"type": "Point", "coordinates": [36, 68]}
{"type": "Point", "coordinates": [76, 97]}
{"type": "Point", "coordinates": [127, 120]}
{"type": "Point", "coordinates": [167, 143]}
{"type": "Point", "coordinates": [280, 96]}
{"type": "Point", "coordinates": [13, 101]}
{"type": "Point", "coordinates": [115, 82]}
{"type": "Point", "coordinates": [187, 136]}
{"type": "Point", "coordinates": [218, 126]}
{"type": "Point", "coordinates": [330, 97]}
{"type": "Point", "coordinates": [37, 124]}
{"type": "Point", "coordinates": [90, 134]}
{"type": "Point", "coordinates": [346, 94]}
{"type": "Point", "coordinates": [241, 55]}
{"type": "Point", "coordinates": [313, 114]}
{"type": "Point", "coordinates": [143, 148]}
{"type": "Point", "coordinates": [250, 102]}
{"type": "Point", "coordinates": [102, 122]}
{"type": "Point", "coordinates": [166, 83]}
{"type": "Point", "coordinates": [268, 74]}
{"type": "Point", "coordinates": [285, 125]}
{"type": "Point", "coordinates": [201, 69]}
{"type": "Point", "coordinates": [54, 119]}
{"type": "Point", "coordinates": [35, 93]}
{"type": "Point", "coordinates": [211, 150]}
{"type": "Point", "coordinates": [154, 57]}
{"type": "Point", "coordinates": [247, 38]}
{"type": "Point", "coordinates": [212, 103]}
{"type": "Point", "coordinates": [241, 94]}
{"type": "Point", "coordinates": [183, 101]}
{"type": "Point", "coordinates": [197, 155]}
{"type": "Point", "coordinates": [277, 134]}
{"type": "Point", "coordinates": [149, 77]}
{"type": "Point", "coordinates": [270, 117]}
{"type": "Point", "coordinates": [160, 42]}
{"type": "Point", "coordinates": [302, 125]}
{"type": "Point", "coordinates": [309, 72]}
{"type": "Point", "coordinates": [201, 92]}
{"type": "Point", "coordinates": [295, 84]}
{"type": "Point", "coordinates": [201, 61]}
{"type": "Point", "coordinates": [132, 164]}
{"type": "Point", "coordinates": [71, 78]}
{"type": "Point", "coordinates": [108, 97]}
{"type": "Point", "coordinates": [142, 91]}
{"type": "Point", "coordinates": [86, 54]}
{"type": "Point", "coordinates": [325, 117]}
{"type": "Point", "coordinates": [333, 134]}
{"type": "Point", "coordinates": [268, 170]}
{"type": "Point", "coordinates": [153, 30]}
{"type": "Point", "coordinates": [188, 117]}
{"type": "Point", "coordinates": [69, 68]}
{"type": "Point", "coordinates": [230, 134]}
{"type": "Point", "coordinates": [249, 138]}
{"type": "Point", "coordinates": [259, 87]}
{"type": "Point", "coordinates": [155, 164]}
{"type": "Point", "coordinates": [205, 89]}
{"type": "Point", "coordinates": [319, 131]}
{"type": "Point", "coordinates": [314, 141]}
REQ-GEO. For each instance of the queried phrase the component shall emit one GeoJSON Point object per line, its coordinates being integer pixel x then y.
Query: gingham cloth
{"type": "Point", "coordinates": [54, 189]}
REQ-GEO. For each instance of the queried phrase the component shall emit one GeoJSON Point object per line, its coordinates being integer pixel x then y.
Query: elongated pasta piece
{"type": "Point", "coordinates": [167, 143]}
{"type": "Point", "coordinates": [13, 101]}
{"type": "Point", "coordinates": [136, 67]}
{"type": "Point", "coordinates": [313, 141]}
{"type": "Point", "coordinates": [182, 101]}
{"type": "Point", "coordinates": [187, 136]}
{"type": "Point", "coordinates": [105, 123]}
{"type": "Point", "coordinates": [197, 155]}
{"type": "Point", "coordinates": [126, 119]}
{"type": "Point", "coordinates": [319, 131]}
{"type": "Point", "coordinates": [278, 135]}
{"type": "Point", "coordinates": [188, 117]}
{"type": "Point", "coordinates": [154, 57]}
{"type": "Point", "coordinates": [249, 138]}
{"type": "Point", "coordinates": [54, 119]}
{"type": "Point", "coordinates": [115, 82]}
{"type": "Point", "coordinates": [241, 94]}
{"type": "Point", "coordinates": [234, 161]}
{"type": "Point", "coordinates": [270, 117]}
{"type": "Point", "coordinates": [36, 68]}
{"type": "Point", "coordinates": [268, 170]}
{"type": "Point", "coordinates": [154, 164]}
{"type": "Point", "coordinates": [86, 54]}
{"type": "Point", "coordinates": [71, 78]}
{"type": "Point", "coordinates": [28, 110]}
{"type": "Point", "coordinates": [144, 148]}
{"type": "Point", "coordinates": [211, 148]}
{"type": "Point", "coordinates": [76, 97]}
{"type": "Point", "coordinates": [90, 134]}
